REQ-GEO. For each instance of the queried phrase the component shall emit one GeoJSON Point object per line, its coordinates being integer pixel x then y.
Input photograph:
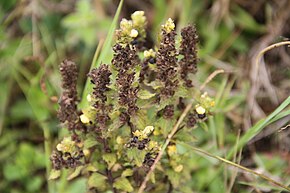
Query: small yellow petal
{"type": "Point", "coordinates": [133, 33]}
{"type": "Point", "coordinates": [146, 54]}
{"type": "Point", "coordinates": [148, 130]}
{"type": "Point", "coordinates": [86, 152]}
{"type": "Point", "coordinates": [171, 150]}
{"type": "Point", "coordinates": [119, 140]}
{"type": "Point", "coordinates": [169, 25]}
{"type": "Point", "coordinates": [179, 168]}
{"type": "Point", "coordinates": [200, 110]}
{"type": "Point", "coordinates": [84, 119]}
{"type": "Point", "coordinates": [89, 98]}
{"type": "Point", "coordinates": [59, 147]}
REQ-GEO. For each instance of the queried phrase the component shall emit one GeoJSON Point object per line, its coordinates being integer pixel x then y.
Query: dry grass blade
{"type": "Point", "coordinates": [262, 52]}
{"type": "Point", "coordinates": [210, 77]}
{"type": "Point", "coordinates": [257, 65]}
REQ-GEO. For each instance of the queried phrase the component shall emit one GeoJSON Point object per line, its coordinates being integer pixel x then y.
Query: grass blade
{"type": "Point", "coordinates": [103, 54]}
{"type": "Point", "coordinates": [257, 128]}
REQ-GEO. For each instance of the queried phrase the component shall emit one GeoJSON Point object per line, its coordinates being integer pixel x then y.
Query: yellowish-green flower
{"type": "Point", "coordinates": [149, 53]}
{"type": "Point", "coordinates": [84, 119]}
{"type": "Point", "coordinates": [199, 109]}
{"type": "Point", "coordinates": [178, 168]}
{"type": "Point", "coordinates": [171, 150]}
{"type": "Point", "coordinates": [133, 33]}
{"type": "Point", "coordinates": [205, 102]}
{"type": "Point", "coordinates": [67, 145]}
{"type": "Point", "coordinates": [88, 115]}
{"type": "Point", "coordinates": [138, 18]}
{"type": "Point", "coordinates": [169, 26]}
{"type": "Point", "coordinates": [148, 130]}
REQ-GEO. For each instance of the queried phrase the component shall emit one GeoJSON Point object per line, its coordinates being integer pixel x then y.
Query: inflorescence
{"type": "Point", "coordinates": [134, 103]}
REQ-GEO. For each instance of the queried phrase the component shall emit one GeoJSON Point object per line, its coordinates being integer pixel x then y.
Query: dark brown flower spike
{"type": "Point", "coordinates": [166, 60]}
{"type": "Point", "coordinates": [101, 79]}
{"type": "Point", "coordinates": [67, 112]}
{"type": "Point", "coordinates": [125, 60]}
{"type": "Point", "coordinates": [188, 49]}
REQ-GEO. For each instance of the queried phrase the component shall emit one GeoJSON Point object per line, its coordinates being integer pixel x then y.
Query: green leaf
{"type": "Point", "coordinates": [203, 125]}
{"type": "Point", "coordinates": [54, 174]}
{"type": "Point", "coordinates": [164, 103]}
{"type": "Point", "coordinates": [123, 184]}
{"type": "Point", "coordinates": [165, 125]}
{"type": "Point", "coordinates": [139, 120]}
{"type": "Point", "coordinates": [75, 173]}
{"type": "Point", "coordinates": [116, 124]}
{"type": "Point", "coordinates": [34, 184]}
{"type": "Point", "coordinates": [110, 159]}
{"type": "Point", "coordinates": [90, 168]}
{"type": "Point", "coordinates": [127, 172]}
{"type": "Point", "coordinates": [98, 181]}
{"type": "Point", "coordinates": [174, 177]}
{"type": "Point", "coordinates": [182, 92]}
{"type": "Point", "coordinates": [246, 20]}
{"type": "Point", "coordinates": [145, 94]}
{"type": "Point", "coordinates": [90, 142]}
{"type": "Point", "coordinates": [137, 155]}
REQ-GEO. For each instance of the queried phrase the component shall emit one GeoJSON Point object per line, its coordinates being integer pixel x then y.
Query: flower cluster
{"type": "Point", "coordinates": [101, 79]}
{"type": "Point", "coordinates": [68, 154]}
{"type": "Point", "coordinates": [149, 59]}
{"type": "Point", "coordinates": [188, 49]}
{"type": "Point", "coordinates": [166, 60]}
{"type": "Point", "coordinates": [132, 31]}
{"type": "Point", "coordinates": [140, 87]}
{"type": "Point", "coordinates": [125, 61]}
{"type": "Point", "coordinates": [67, 112]}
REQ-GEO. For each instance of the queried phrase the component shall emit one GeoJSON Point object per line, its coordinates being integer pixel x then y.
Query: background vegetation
{"type": "Point", "coordinates": [36, 35]}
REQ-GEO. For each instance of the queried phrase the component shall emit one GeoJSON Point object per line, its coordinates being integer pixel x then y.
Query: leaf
{"type": "Point", "coordinates": [75, 173]}
{"type": "Point", "coordinates": [155, 84]}
{"type": "Point", "coordinates": [146, 104]}
{"type": "Point", "coordinates": [98, 181]}
{"type": "Point", "coordinates": [136, 155]}
{"type": "Point", "coordinates": [90, 142]}
{"type": "Point", "coordinates": [164, 103]}
{"type": "Point", "coordinates": [127, 172]}
{"type": "Point", "coordinates": [54, 174]}
{"type": "Point", "coordinates": [123, 184]}
{"type": "Point", "coordinates": [139, 120]}
{"type": "Point", "coordinates": [145, 94]}
{"type": "Point", "coordinates": [204, 126]}
{"type": "Point", "coordinates": [246, 20]}
{"type": "Point", "coordinates": [110, 159]}
{"type": "Point", "coordinates": [165, 125]}
{"type": "Point", "coordinates": [174, 177]}
{"type": "Point", "coordinates": [116, 124]}
{"type": "Point", "coordinates": [182, 92]}
{"type": "Point", "coordinates": [89, 168]}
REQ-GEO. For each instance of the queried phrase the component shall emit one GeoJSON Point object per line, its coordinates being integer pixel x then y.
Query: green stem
{"type": "Point", "coordinates": [47, 150]}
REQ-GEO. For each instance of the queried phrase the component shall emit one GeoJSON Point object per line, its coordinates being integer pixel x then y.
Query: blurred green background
{"type": "Point", "coordinates": [36, 35]}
